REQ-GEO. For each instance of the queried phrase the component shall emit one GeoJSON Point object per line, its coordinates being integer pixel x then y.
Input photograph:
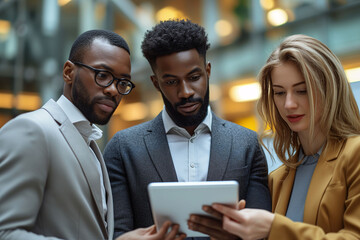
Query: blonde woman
{"type": "Point", "coordinates": [314, 119]}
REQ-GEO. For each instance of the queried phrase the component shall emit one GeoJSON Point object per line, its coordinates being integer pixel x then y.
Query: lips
{"type": "Point", "coordinates": [106, 105]}
{"type": "Point", "coordinates": [189, 107]}
{"type": "Point", "coordinates": [295, 117]}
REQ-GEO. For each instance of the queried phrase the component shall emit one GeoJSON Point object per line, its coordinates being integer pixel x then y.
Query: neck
{"type": "Point", "coordinates": [312, 145]}
{"type": "Point", "coordinates": [190, 129]}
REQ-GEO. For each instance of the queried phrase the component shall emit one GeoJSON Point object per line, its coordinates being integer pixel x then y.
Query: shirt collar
{"type": "Point", "coordinates": [87, 130]}
{"type": "Point", "coordinates": [169, 123]}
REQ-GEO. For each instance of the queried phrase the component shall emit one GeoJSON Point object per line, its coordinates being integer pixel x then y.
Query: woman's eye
{"type": "Point", "coordinates": [279, 93]}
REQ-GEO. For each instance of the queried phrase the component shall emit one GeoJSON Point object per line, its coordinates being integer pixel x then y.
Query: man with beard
{"type": "Point", "coordinates": [186, 141]}
{"type": "Point", "coordinates": [54, 183]}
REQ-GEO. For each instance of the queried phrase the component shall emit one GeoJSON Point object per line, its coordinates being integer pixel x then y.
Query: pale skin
{"type": "Point", "coordinates": [292, 102]}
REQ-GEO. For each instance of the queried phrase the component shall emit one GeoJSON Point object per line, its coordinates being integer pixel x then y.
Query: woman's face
{"type": "Point", "coordinates": [291, 98]}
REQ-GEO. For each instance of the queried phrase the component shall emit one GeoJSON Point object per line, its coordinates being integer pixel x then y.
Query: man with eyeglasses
{"type": "Point", "coordinates": [54, 183]}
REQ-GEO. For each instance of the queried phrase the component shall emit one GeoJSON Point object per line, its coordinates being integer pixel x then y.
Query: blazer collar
{"type": "Point", "coordinates": [221, 139]}
{"type": "Point", "coordinates": [159, 151]}
{"type": "Point", "coordinates": [320, 180]}
{"type": "Point", "coordinates": [81, 152]}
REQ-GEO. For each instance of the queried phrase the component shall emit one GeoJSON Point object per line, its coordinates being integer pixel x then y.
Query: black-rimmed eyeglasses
{"type": "Point", "coordinates": [104, 78]}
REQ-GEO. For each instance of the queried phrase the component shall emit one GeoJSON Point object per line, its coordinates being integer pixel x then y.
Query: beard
{"type": "Point", "coordinates": [187, 121]}
{"type": "Point", "coordinates": [82, 101]}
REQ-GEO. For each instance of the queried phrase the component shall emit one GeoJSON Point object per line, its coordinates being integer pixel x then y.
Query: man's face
{"type": "Point", "coordinates": [95, 102]}
{"type": "Point", "coordinates": [183, 80]}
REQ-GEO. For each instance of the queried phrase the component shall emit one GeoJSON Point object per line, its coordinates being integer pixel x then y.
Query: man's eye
{"type": "Point", "coordinates": [103, 76]}
{"type": "Point", "coordinates": [195, 77]}
{"type": "Point", "coordinates": [171, 82]}
{"type": "Point", "coordinates": [123, 83]}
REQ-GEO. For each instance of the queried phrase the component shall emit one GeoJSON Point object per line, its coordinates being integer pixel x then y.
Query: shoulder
{"type": "Point", "coordinates": [135, 130]}
{"type": "Point", "coordinates": [134, 133]}
{"type": "Point", "coordinates": [353, 142]}
{"type": "Point", "coordinates": [350, 155]}
{"type": "Point", "coordinates": [278, 173]}
{"type": "Point", "coordinates": [37, 119]}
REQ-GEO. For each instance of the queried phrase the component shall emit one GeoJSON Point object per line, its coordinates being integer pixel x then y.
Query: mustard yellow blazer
{"type": "Point", "coordinates": [332, 206]}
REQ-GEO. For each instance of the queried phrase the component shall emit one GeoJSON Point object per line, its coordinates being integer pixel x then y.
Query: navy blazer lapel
{"type": "Point", "coordinates": [80, 150]}
{"type": "Point", "coordinates": [221, 139]}
{"type": "Point", "coordinates": [158, 149]}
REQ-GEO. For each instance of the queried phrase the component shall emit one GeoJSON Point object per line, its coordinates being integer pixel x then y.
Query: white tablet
{"type": "Point", "coordinates": [175, 201]}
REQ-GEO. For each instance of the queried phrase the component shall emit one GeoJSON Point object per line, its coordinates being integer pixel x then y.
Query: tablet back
{"type": "Point", "coordinates": [175, 201]}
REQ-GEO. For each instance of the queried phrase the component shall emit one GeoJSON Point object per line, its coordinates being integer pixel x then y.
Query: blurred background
{"type": "Point", "coordinates": [36, 37]}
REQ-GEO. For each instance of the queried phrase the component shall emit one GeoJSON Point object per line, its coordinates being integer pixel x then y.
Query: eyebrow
{"type": "Point", "coordinates": [109, 69]}
{"type": "Point", "coordinates": [197, 69]}
{"type": "Point", "coordinates": [296, 84]}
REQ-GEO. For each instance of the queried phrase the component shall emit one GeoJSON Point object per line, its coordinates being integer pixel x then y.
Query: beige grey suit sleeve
{"type": "Point", "coordinates": [24, 163]}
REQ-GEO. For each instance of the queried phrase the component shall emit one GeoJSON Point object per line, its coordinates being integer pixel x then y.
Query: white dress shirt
{"type": "Point", "coordinates": [90, 132]}
{"type": "Point", "coordinates": [190, 154]}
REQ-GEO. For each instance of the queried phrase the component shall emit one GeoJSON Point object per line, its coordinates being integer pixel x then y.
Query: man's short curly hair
{"type": "Point", "coordinates": [172, 36]}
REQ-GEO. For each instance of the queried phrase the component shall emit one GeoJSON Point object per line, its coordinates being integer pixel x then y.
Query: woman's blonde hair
{"type": "Point", "coordinates": [325, 78]}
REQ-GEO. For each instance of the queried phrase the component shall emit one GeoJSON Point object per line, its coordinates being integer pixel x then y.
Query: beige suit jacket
{"type": "Point", "coordinates": [49, 183]}
{"type": "Point", "coordinates": [332, 206]}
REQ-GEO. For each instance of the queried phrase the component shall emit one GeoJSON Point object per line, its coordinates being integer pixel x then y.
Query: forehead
{"type": "Point", "coordinates": [286, 73]}
{"type": "Point", "coordinates": [102, 52]}
{"type": "Point", "coordinates": [179, 63]}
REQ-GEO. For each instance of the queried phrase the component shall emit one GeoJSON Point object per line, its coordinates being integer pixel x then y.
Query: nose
{"type": "Point", "coordinates": [185, 89]}
{"type": "Point", "coordinates": [290, 101]}
{"type": "Point", "coordinates": [111, 90]}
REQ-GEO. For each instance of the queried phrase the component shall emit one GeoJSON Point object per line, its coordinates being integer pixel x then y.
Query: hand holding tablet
{"type": "Point", "coordinates": [176, 201]}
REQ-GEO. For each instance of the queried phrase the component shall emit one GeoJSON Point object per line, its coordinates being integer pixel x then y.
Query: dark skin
{"type": "Point", "coordinates": [212, 226]}
{"type": "Point", "coordinates": [101, 102]}
{"type": "Point", "coordinates": [180, 76]}
{"type": "Point", "coordinates": [98, 104]}
{"type": "Point", "coordinates": [185, 75]}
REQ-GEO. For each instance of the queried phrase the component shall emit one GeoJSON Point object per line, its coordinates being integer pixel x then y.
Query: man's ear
{"type": "Point", "coordinates": [208, 69]}
{"type": "Point", "coordinates": [155, 82]}
{"type": "Point", "coordinates": [69, 72]}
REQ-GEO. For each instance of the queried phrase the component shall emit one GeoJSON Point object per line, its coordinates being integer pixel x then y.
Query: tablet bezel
{"type": "Point", "coordinates": [175, 201]}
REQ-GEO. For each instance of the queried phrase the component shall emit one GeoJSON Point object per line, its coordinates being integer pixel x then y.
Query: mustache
{"type": "Point", "coordinates": [113, 99]}
{"type": "Point", "coordinates": [188, 100]}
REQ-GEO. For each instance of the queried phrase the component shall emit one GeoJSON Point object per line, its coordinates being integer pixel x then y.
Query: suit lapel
{"type": "Point", "coordinates": [109, 203]}
{"type": "Point", "coordinates": [158, 149]}
{"type": "Point", "coordinates": [221, 139]}
{"type": "Point", "coordinates": [80, 150]}
{"type": "Point", "coordinates": [320, 180]}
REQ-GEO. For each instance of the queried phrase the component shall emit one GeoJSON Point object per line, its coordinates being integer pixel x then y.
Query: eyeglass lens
{"type": "Point", "coordinates": [105, 79]}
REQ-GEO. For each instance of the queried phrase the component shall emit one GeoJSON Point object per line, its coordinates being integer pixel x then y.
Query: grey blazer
{"type": "Point", "coordinates": [140, 155]}
{"type": "Point", "coordinates": [50, 187]}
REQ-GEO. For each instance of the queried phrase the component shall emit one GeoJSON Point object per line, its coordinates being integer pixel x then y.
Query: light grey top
{"type": "Point", "coordinates": [302, 181]}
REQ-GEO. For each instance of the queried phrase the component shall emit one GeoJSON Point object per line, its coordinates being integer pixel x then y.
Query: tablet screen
{"type": "Point", "coordinates": [175, 201]}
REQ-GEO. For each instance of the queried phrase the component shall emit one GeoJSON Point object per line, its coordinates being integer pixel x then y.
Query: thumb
{"type": "Point", "coordinates": [241, 204]}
